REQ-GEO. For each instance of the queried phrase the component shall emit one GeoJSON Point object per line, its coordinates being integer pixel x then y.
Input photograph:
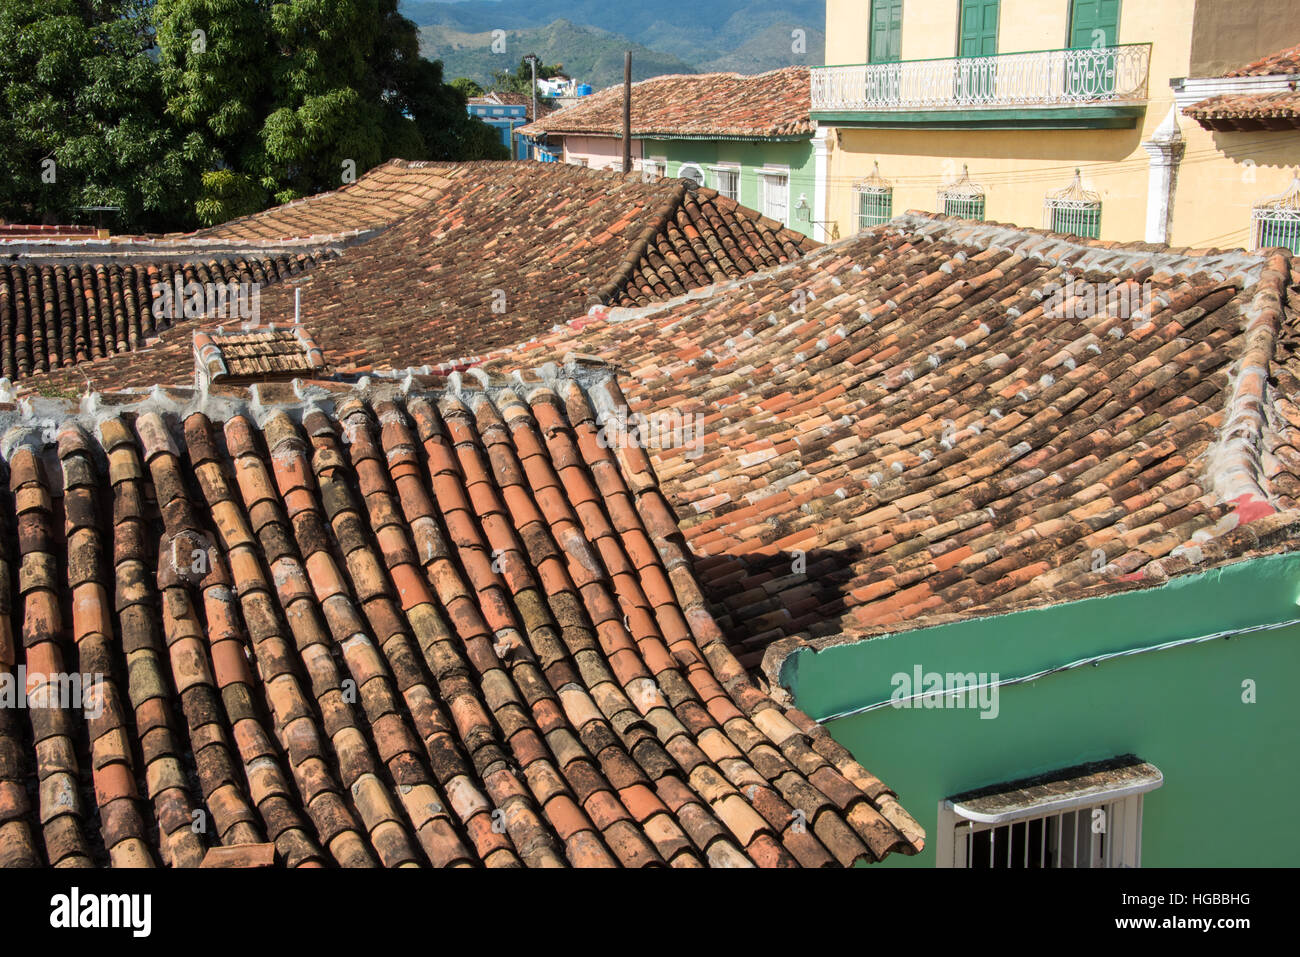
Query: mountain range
{"type": "Point", "coordinates": [589, 36]}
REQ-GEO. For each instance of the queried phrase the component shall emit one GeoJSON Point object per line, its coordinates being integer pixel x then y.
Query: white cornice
{"type": "Point", "coordinates": [1193, 90]}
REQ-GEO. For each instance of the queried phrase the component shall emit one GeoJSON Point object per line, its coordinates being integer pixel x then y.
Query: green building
{"type": "Point", "coordinates": [748, 137]}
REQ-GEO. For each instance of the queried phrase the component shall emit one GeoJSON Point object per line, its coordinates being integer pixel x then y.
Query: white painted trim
{"type": "Point", "coordinates": [1189, 91]}
{"type": "Point", "coordinates": [777, 170]}
{"type": "Point", "coordinates": [736, 168]}
{"type": "Point", "coordinates": [821, 143]}
{"type": "Point", "coordinates": [1165, 149]}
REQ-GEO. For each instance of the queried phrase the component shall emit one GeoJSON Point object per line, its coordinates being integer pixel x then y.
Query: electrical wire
{"type": "Point", "coordinates": [1094, 660]}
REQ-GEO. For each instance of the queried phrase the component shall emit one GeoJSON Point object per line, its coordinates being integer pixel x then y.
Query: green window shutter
{"type": "Point", "coordinates": [886, 31]}
{"type": "Point", "coordinates": [979, 28]}
{"type": "Point", "coordinates": [1089, 16]}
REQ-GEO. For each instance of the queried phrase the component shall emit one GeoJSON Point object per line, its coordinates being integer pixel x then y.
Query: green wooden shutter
{"type": "Point", "coordinates": [1089, 16]}
{"type": "Point", "coordinates": [886, 31]}
{"type": "Point", "coordinates": [979, 28]}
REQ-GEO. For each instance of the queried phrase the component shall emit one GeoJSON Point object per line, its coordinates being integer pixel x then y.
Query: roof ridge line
{"type": "Point", "coordinates": [1235, 462]}
{"type": "Point", "coordinates": [627, 265]}
{"type": "Point", "coordinates": [1047, 246]}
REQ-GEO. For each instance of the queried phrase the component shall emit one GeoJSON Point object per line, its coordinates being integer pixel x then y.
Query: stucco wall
{"type": "Point", "coordinates": [1216, 187]}
{"type": "Point", "coordinates": [798, 156]}
{"type": "Point", "coordinates": [1231, 33]}
{"type": "Point", "coordinates": [1180, 709]}
{"type": "Point", "coordinates": [600, 152]}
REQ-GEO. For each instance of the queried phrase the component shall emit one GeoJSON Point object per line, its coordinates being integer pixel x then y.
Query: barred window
{"type": "Point", "coordinates": [1276, 220]}
{"type": "Point", "coordinates": [1088, 816]}
{"type": "Point", "coordinates": [728, 181]}
{"type": "Point", "coordinates": [774, 194]}
{"type": "Point", "coordinates": [962, 198]}
{"type": "Point", "coordinates": [875, 200]}
{"type": "Point", "coordinates": [1073, 210]}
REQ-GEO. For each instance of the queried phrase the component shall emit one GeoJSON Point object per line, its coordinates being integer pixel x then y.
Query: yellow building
{"type": "Point", "coordinates": [987, 108]}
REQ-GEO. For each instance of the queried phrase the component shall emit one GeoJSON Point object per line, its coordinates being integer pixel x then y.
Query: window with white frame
{"type": "Point", "coordinates": [1088, 816]}
{"type": "Point", "coordinates": [727, 181]}
{"type": "Point", "coordinates": [774, 194]}
{"type": "Point", "coordinates": [875, 200]}
{"type": "Point", "coordinates": [693, 172]}
{"type": "Point", "coordinates": [1073, 210]}
{"type": "Point", "coordinates": [962, 198]}
{"type": "Point", "coordinates": [1275, 221]}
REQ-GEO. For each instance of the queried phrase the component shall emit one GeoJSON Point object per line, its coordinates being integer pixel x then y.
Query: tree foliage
{"type": "Point", "coordinates": [186, 112]}
{"type": "Point", "coordinates": [521, 81]}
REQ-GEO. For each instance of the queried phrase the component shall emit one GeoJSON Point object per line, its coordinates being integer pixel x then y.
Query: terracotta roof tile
{"type": "Point", "coordinates": [1248, 111]}
{"type": "Point", "coordinates": [926, 431]}
{"type": "Point", "coordinates": [1283, 62]}
{"type": "Point", "coordinates": [500, 254]}
{"type": "Point", "coordinates": [65, 303]}
{"type": "Point", "coordinates": [443, 626]}
{"type": "Point", "coordinates": [764, 105]}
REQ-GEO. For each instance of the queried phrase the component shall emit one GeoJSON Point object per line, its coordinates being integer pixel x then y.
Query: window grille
{"type": "Point", "coordinates": [1080, 818]}
{"type": "Point", "coordinates": [1073, 210]}
{"type": "Point", "coordinates": [875, 200]}
{"type": "Point", "coordinates": [1276, 220]}
{"type": "Point", "coordinates": [774, 194]}
{"type": "Point", "coordinates": [728, 180]}
{"type": "Point", "coordinates": [962, 198]}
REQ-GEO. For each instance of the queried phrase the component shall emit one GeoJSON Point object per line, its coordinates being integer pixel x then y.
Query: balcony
{"type": "Point", "coordinates": [1103, 87]}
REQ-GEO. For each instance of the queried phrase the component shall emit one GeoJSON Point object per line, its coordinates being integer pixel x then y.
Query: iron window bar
{"type": "Point", "coordinates": [962, 198]}
{"type": "Point", "coordinates": [1275, 221]}
{"type": "Point", "coordinates": [1073, 210]}
{"type": "Point", "coordinates": [875, 200]}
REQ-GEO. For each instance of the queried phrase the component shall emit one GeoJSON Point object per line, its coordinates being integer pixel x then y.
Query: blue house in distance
{"type": "Point", "coordinates": [505, 113]}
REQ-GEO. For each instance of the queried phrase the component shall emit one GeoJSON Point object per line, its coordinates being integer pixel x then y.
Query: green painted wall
{"type": "Point", "coordinates": [797, 155]}
{"type": "Point", "coordinates": [1230, 768]}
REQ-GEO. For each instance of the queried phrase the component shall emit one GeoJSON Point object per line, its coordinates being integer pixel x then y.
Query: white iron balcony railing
{"type": "Point", "coordinates": [1061, 78]}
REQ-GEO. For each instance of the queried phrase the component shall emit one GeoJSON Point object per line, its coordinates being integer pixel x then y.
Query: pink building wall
{"type": "Point", "coordinates": [600, 152]}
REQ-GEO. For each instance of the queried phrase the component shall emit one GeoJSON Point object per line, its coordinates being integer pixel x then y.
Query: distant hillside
{"type": "Point", "coordinates": [759, 52]}
{"type": "Point", "coordinates": [593, 55]}
{"type": "Point", "coordinates": [745, 35]}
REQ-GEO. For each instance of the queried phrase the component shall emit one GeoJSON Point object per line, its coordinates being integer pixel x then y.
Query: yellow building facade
{"type": "Point", "coordinates": [989, 107]}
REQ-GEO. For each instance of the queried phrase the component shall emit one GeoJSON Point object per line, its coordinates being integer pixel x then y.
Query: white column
{"type": "Point", "coordinates": [1165, 148]}
{"type": "Point", "coordinates": [821, 143]}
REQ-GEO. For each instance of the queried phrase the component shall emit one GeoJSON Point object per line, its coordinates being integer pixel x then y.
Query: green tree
{"type": "Point", "coordinates": [467, 86]}
{"type": "Point", "coordinates": [291, 97]}
{"type": "Point", "coordinates": [81, 117]}
{"type": "Point", "coordinates": [521, 81]}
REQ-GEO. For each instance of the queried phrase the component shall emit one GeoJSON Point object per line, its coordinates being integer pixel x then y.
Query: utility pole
{"type": "Point", "coordinates": [532, 61]}
{"type": "Point", "coordinates": [627, 112]}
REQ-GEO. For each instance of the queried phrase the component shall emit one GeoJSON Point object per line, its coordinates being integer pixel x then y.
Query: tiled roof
{"type": "Point", "coordinates": [376, 200]}
{"type": "Point", "coordinates": [902, 425]}
{"type": "Point", "coordinates": [773, 104]}
{"type": "Point", "coordinates": [440, 627]}
{"type": "Point", "coordinates": [1248, 111]}
{"type": "Point", "coordinates": [47, 232]}
{"type": "Point", "coordinates": [500, 256]}
{"type": "Point", "coordinates": [65, 304]}
{"type": "Point", "coordinates": [1282, 63]}
{"type": "Point", "coordinates": [258, 354]}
